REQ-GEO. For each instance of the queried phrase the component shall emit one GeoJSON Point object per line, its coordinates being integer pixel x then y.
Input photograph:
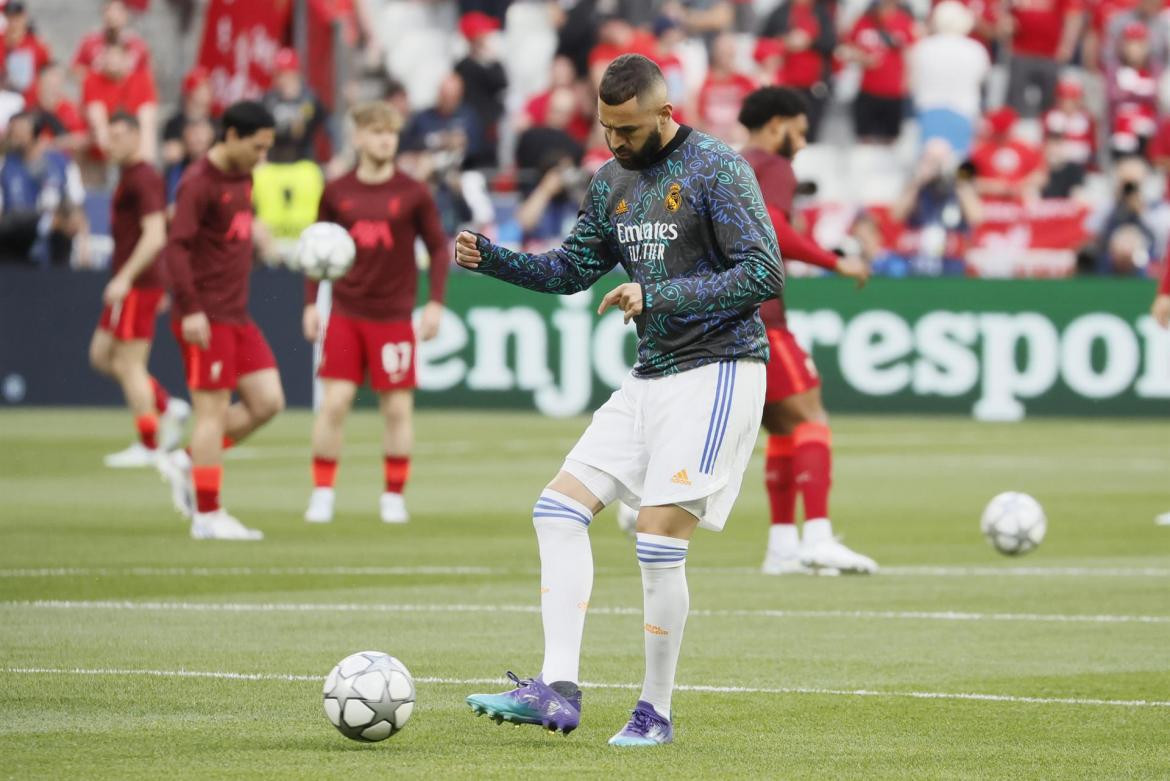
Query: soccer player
{"type": "Point", "coordinates": [120, 348]}
{"type": "Point", "coordinates": [210, 260]}
{"type": "Point", "coordinates": [369, 326]}
{"type": "Point", "coordinates": [1160, 311]}
{"type": "Point", "coordinates": [683, 215]}
{"type": "Point", "coordinates": [798, 458]}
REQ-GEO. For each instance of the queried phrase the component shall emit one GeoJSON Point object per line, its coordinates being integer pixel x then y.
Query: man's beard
{"type": "Point", "coordinates": [644, 156]}
{"type": "Point", "coordinates": [786, 149]}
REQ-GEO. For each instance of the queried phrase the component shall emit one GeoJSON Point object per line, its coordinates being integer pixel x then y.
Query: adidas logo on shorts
{"type": "Point", "coordinates": [681, 478]}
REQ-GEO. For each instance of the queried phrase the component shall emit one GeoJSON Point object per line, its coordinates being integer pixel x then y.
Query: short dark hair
{"type": "Point", "coordinates": [629, 76]}
{"type": "Point", "coordinates": [247, 118]}
{"type": "Point", "coordinates": [767, 102]}
{"type": "Point", "coordinates": [125, 118]}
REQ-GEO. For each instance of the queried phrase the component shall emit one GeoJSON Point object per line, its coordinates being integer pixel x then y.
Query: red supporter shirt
{"type": "Point", "coordinates": [579, 126]}
{"type": "Point", "coordinates": [129, 94]}
{"type": "Point", "coordinates": [140, 193]}
{"type": "Point", "coordinates": [720, 100]}
{"type": "Point", "coordinates": [1076, 131]}
{"type": "Point", "coordinates": [209, 253]}
{"type": "Point", "coordinates": [384, 220]}
{"type": "Point", "coordinates": [1009, 161]}
{"type": "Point", "coordinates": [803, 68]}
{"type": "Point", "coordinates": [642, 43]}
{"type": "Point", "coordinates": [887, 78]}
{"type": "Point", "coordinates": [778, 186]}
{"type": "Point", "coordinates": [22, 62]}
{"type": "Point", "coordinates": [93, 45]}
{"type": "Point", "coordinates": [1159, 149]}
{"type": "Point", "coordinates": [1039, 25]}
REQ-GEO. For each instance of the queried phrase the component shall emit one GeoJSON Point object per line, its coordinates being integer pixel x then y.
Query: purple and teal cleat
{"type": "Point", "coordinates": [555, 706]}
{"type": "Point", "coordinates": [645, 728]}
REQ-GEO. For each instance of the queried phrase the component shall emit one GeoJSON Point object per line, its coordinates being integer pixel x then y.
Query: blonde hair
{"type": "Point", "coordinates": [376, 113]}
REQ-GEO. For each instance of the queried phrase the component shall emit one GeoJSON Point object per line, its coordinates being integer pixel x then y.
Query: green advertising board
{"type": "Point", "coordinates": [997, 350]}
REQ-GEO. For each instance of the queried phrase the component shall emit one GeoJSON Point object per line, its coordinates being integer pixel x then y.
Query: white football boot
{"type": "Point", "coordinates": [175, 468]}
{"type": "Point", "coordinates": [218, 525]}
{"type": "Point", "coordinates": [783, 554]}
{"type": "Point", "coordinates": [1163, 519]}
{"type": "Point", "coordinates": [627, 519]}
{"type": "Point", "coordinates": [172, 423]}
{"type": "Point", "coordinates": [393, 508]}
{"type": "Point", "coordinates": [320, 506]}
{"type": "Point", "coordinates": [821, 550]}
{"type": "Point", "coordinates": [136, 456]}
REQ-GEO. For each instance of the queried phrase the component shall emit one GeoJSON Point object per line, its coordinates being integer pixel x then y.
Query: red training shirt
{"type": "Point", "coordinates": [1039, 25]}
{"type": "Point", "coordinates": [140, 193]}
{"type": "Point", "coordinates": [129, 94]}
{"type": "Point", "coordinates": [887, 78]}
{"type": "Point", "coordinates": [384, 220]}
{"type": "Point", "coordinates": [803, 68]}
{"type": "Point", "coordinates": [209, 253]}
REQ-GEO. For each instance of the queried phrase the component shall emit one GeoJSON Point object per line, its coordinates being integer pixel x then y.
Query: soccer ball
{"type": "Point", "coordinates": [1013, 523]}
{"type": "Point", "coordinates": [324, 251]}
{"type": "Point", "coordinates": [369, 696]}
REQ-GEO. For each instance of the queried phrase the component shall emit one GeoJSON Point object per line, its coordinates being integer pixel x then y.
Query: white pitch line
{"type": "Point", "coordinates": [1072, 572]}
{"type": "Point", "coordinates": [918, 695]}
{"type": "Point", "coordinates": [351, 607]}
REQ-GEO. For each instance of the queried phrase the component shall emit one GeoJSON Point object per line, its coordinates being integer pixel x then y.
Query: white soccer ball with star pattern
{"type": "Point", "coordinates": [324, 251]}
{"type": "Point", "coordinates": [1014, 523]}
{"type": "Point", "coordinates": [369, 696]}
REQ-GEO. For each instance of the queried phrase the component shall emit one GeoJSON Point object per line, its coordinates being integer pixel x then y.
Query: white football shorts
{"type": "Point", "coordinates": [682, 439]}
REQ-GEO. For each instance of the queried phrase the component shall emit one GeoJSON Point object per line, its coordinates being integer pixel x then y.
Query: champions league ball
{"type": "Point", "coordinates": [324, 251]}
{"type": "Point", "coordinates": [1013, 523]}
{"type": "Point", "coordinates": [369, 696]}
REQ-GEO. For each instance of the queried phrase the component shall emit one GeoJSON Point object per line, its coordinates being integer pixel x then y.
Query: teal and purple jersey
{"type": "Point", "coordinates": [692, 229]}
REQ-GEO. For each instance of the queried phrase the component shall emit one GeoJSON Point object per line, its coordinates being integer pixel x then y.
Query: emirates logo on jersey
{"type": "Point", "coordinates": [372, 234]}
{"type": "Point", "coordinates": [240, 228]}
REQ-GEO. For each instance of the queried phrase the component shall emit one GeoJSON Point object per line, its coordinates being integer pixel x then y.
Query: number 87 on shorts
{"type": "Point", "coordinates": [383, 348]}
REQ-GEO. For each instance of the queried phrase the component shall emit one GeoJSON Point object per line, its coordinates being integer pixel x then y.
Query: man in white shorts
{"type": "Point", "coordinates": [683, 215]}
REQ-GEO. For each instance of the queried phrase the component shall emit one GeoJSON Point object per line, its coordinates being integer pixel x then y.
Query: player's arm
{"type": "Point", "coordinates": [189, 206]}
{"type": "Point", "coordinates": [585, 257]}
{"type": "Point", "coordinates": [311, 317]}
{"type": "Point", "coordinates": [430, 227]}
{"type": "Point", "coordinates": [146, 251]}
{"type": "Point", "coordinates": [1161, 307]}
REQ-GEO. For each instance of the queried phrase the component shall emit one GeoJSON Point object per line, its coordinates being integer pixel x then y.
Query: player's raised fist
{"type": "Point", "coordinates": [466, 254]}
{"type": "Point", "coordinates": [626, 297]}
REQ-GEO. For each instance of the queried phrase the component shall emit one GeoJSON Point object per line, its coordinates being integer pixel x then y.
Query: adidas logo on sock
{"type": "Point", "coordinates": [681, 478]}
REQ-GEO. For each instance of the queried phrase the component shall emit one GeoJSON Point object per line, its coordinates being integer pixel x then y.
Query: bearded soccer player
{"type": "Point", "coordinates": [369, 327]}
{"type": "Point", "coordinates": [799, 455]}
{"type": "Point", "coordinates": [1160, 311]}
{"type": "Point", "coordinates": [121, 344]}
{"type": "Point", "coordinates": [210, 260]}
{"type": "Point", "coordinates": [683, 216]}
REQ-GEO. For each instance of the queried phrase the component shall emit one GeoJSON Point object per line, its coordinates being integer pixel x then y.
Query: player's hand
{"type": "Point", "coordinates": [116, 290]}
{"type": "Point", "coordinates": [627, 297]}
{"type": "Point", "coordinates": [854, 268]}
{"type": "Point", "coordinates": [196, 330]}
{"type": "Point", "coordinates": [428, 322]}
{"type": "Point", "coordinates": [466, 254]}
{"type": "Point", "coordinates": [311, 323]}
{"type": "Point", "coordinates": [1161, 310]}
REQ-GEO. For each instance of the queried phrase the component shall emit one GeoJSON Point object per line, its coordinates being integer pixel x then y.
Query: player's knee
{"type": "Point", "coordinates": [99, 359]}
{"type": "Point", "coordinates": [269, 406]}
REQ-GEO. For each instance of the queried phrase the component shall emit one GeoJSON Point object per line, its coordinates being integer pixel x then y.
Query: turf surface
{"type": "Point", "coordinates": [104, 601]}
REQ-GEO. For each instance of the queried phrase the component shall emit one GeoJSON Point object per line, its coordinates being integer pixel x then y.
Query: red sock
{"type": "Point", "coordinates": [147, 429]}
{"type": "Point", "coordinates": [228, 442]}
{"type": "Point", "coordinates": [161, 397]}
{"type": "Point", "coordinates": [778, 479]}
{"type": "Point", "coordinates": [324, 472]}
{"type": "Point", "coordinates": [812, 463]}
{"type": "Point", "coordinates": [207, 480]}
{"type": "Point", "coordinates": [397, 471]}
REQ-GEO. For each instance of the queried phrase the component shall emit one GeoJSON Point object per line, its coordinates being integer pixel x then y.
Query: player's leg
{"type": "Point", "coordinates": [261, 394]}
{"type": "Point", "coordinates": [101, 352]}
{"type": "Point", "coordinates": [397, 409]}
{"type": "Point", "coordinates": [328, 428]}
{"type": "Point", "coordinates": [128, 364]}
{"type": "Point", "coordinates": [783, 553]}
{"type": "Point", "coordinates": [388, 349]}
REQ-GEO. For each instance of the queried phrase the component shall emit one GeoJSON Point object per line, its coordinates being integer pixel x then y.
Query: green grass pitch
{"type": "Point", "coordinates": [955, 662]}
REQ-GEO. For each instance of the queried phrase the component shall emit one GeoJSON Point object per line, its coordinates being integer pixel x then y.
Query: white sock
{"type": "Point", "coordinates": [783, 539]}
{"type": "Point", "coordinates": [566, 580]}
{"type": "Point", "coordinates": [666, 602]}
{"type": "Point", "coordinates": [817, 530]}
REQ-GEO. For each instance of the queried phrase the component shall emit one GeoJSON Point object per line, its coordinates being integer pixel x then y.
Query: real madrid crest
{"type": "Point", "coordinates": [674, 197]}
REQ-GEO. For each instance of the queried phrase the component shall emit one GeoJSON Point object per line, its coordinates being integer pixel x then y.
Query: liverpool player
{"type": "Point", "coordinates": [210, 260]}
{"type": "Point", "coordinates": [121, 344]}
{"type": "Point", "coordinates": [798, 457]}
{"type": "Point", "coordinates": [1161, 314]}
{"type": "Point", "coordinates": [369, 327]}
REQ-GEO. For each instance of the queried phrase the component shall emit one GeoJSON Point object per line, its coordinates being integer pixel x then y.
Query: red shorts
{"type": "Point", "coordinates": [134, 317]}
{"type": "Point", "coordinates": [237, 350]}
{"type": "Point", "coordinates": [385, 347]}
{"type": "Point", "coordinates": [790, 369]}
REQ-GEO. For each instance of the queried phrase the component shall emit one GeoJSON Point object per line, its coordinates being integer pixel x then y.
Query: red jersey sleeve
{"type": "Point", "coordinates": [189, 205]}
{"type": "Point", "coordinates": [152, 192]}
{"type": "Point", "coordinates": [429, 226]}
{"type": "Point", "coordinates": [795, 246]}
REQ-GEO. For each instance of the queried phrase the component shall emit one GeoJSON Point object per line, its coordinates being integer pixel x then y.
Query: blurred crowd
{"type": "Point", "coordinates": [929, 120]}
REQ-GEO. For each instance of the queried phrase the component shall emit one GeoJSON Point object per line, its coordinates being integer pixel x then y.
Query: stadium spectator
{"type": "Point", "coordinates": [298, 111]}
{"type": "Point", "coordinates": [947, 69]}
{"type": "Point", "coordinates": [543, 146]}
{"type": "Point", "coordinates": [197, 105]}
{"type": "Point", "coordinates": [1007, 168]}
{"type": "Point", "coordinates": [11, 104]}
{"type": "Point", "coordinates": [1120, 16]}
{"type": "Point", "coordinates": [1044, 35]}
{"type": "Point", "coordinates": [41, 196]}
{"type": "Point", "coordinates": [483, 77]}
{"type": "Point", "coordinates": [116, 88]}
{"type": "Point", "coordinates": [196, 139]}
{"type": "Point", "coordinates": [615, 37]}
{"type": "Point", "coordinates": [723, 92]}
{"type": "Point", "coordinates": [672, 40]}
{"type": "Point", "coordinates": [536, 109]}
{"type": "Point", "coordinates": [1126, 239]}
{"type": "Point", "coordinates": [878, 42]}
{"type": "Point", "coordinates": [450, 131]}
{"type": "Point", "coordinates": [115, 27]}
{"type": "Point", "coordinates": [577, 23]}
{"type": "Point", "coordinates": [706, 18]}
{"type": "Point", "coordinates": [548, 212]}
{"type": "Point", "coordinates": [1160, 311]}
{"type": "Point", "coordinates": [807, 34]}
{"type": "Point", "coordinates": [1133, 94]}
{"type": "Point", "coordinates": [938, 208]}
{"type": "Point", "coordinates": [21, 51]}
{"type": "Point", "coordinates": [1070, 139]}
{"type": "Point", "coordinates": [59, 116]}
